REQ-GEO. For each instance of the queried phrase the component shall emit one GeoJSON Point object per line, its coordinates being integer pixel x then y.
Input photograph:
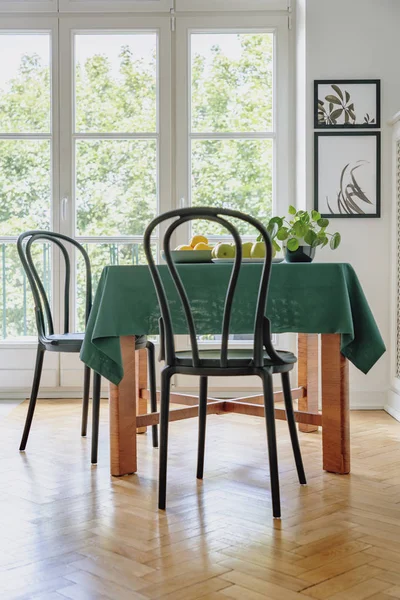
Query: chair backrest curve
{"type": "Point", "coordinates": [44, 318]}
{"type": "Point", "coordinates": [261, 324]}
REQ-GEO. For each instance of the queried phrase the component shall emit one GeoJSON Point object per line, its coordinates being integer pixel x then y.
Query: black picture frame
{"type": "Point", "coordinates": [352, 82]}
{"type": "Point", "coordinates": [344, 134]}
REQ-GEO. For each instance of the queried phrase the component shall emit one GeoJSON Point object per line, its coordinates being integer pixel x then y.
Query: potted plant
{"type": "Point", "coordinates": [300, 234]}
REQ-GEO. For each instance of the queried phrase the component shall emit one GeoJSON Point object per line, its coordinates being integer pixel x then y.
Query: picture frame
{"type": "Point", "coordinates": [347, 104]}
{"type": "Point", "coordinates": [347, 174]}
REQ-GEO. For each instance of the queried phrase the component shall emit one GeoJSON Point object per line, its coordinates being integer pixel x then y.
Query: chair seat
{"type": "Point", "coordinates": [64, 342]}
{"type": "Point", "coordinates": [236, 358]}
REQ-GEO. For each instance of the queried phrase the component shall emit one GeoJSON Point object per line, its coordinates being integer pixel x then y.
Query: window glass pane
{"type": "Point", "coordinates": [16, 301]}
{"type": "Point", "coordinates": [232, 174]}
{"type": "Point", "coordinates": [232, 82]}
{"type": "Point", "coordinates": [116, 82]}
{"type": "Point", "coordinates": [100, 256]}
{"type": "Point", "coordinates": [25, 83]}
{"type": "Point", "coordinates": [116, 186]}
{"type": "Point", "coordinates": [25, 185]}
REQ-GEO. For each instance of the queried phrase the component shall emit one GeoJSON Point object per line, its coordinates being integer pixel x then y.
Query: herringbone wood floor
{"type": "Point", "coordinates": [69, 531]}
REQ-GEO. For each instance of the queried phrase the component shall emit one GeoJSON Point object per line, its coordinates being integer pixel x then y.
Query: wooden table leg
{"type": "Point", "coordinates": [123, 414]}
{"type": "Point", "coordinates": [307, 352]}
{"type": "Point", "coordinates": [335, 406]}
{"type": "Point", "coordinates": [141, 384]}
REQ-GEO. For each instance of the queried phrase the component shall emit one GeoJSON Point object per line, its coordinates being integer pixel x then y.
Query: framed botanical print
{"type": "Point", "coordinates": [347, 104]}
{"type": "Point", "coordinates": [347, 174]}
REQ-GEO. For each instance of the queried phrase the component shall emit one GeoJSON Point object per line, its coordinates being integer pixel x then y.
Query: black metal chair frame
{"type": "Point", "coordinates": [263, 361]}
{"type": "Point", "coordinates": [66, 342]}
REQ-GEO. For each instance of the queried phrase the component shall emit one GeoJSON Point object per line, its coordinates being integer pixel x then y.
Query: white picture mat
{"type": "Point", "coordinates": [334, 153]}
{"type": "Point", "coordinates": [362, 95]}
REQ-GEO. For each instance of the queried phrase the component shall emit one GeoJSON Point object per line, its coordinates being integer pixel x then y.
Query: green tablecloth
{"type": "Point", "coordinates": [303, 298]}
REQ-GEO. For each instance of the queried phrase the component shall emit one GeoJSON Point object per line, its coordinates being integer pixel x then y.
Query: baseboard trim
{"type": "Point", "coordinates": [48, 394]}
{"type": "Point", "coordinates": [359, 400]}
{"type": "Point", "coordinates": [393, 412]}
{"type": "Point", "coordinates": [392, 405]}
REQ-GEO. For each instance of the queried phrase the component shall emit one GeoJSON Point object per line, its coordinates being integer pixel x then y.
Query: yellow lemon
{"type": "Point", "coordinates": [183, 247]}
{"type": "Point", "coordinates": [197, 239]}
{"type": "Point", "coordinates": [202, 246]}
{"type": "Point", "coordinates": [258, 250]}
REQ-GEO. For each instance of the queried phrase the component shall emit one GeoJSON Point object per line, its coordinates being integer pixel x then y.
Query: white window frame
{"type": "Point", "coordinates": [68, 27]}
{"type": "Point", "coordinates": [114, 6]}
{"type": "Point", "coordinates": [277, 25]}
{"type": "Point", "coordinates": [42, 25]}
{"type": "Point", "coordinates": [18, 6]}
{"type": "Point", "coordinates": [230, 5]}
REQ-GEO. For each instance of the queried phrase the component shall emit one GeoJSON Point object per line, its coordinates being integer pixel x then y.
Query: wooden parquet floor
{"type": "Point", "coordinates": [67, 530]}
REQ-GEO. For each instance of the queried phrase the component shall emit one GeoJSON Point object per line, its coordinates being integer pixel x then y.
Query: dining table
{"type": "Point", "coordinates": [323, 303]}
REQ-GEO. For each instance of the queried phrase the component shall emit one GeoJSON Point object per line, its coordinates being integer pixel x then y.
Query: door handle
{"type": "Point", "coordinates": [64, 208]}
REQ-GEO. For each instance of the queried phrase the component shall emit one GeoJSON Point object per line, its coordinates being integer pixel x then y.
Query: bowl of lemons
{"type": "Point", "coordinates": [197, 250]}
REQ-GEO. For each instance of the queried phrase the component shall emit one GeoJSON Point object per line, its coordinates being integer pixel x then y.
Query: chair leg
{"type": "Point", "coordinates": [202, 426]}
{"type": "Point", "coordinates": [96, 416]}
{"type": "Point", "coordinates": [164, 422]}
{"type": "Point", "coordinates": [287, 393]}
{"type": "Point", "coordinates": [153, 389]}
{"type": "Point", "coordinates": [85, 404]}
{"type": "Point", "coordinates": [271, 435]}
{"type": "Point", "coordinates": [34, 393]}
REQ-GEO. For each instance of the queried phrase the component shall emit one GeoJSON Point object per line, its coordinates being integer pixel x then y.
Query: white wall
{"type": "Point", "coordinates": [356, 39]}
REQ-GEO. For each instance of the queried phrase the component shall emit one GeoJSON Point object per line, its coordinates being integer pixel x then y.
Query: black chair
{"type": "Point", "coordinates": [67, 342]}
{"type": "Point", "coordinates": [262, 360]}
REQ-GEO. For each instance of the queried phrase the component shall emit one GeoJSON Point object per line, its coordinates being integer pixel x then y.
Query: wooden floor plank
{"type": "Point", "coordinates": [69, 531]}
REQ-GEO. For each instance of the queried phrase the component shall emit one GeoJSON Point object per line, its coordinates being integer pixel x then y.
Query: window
{"type": "Point", "coordinates": [25, 169]}
{"type": "Point", "coordinates": [232, 117]}
{"type": "Point", "coordinates": [86, 144]}
{"type": "Point", "coordinates": [231, 123]}
{"type": "Point", "coordinates": [115, 146]}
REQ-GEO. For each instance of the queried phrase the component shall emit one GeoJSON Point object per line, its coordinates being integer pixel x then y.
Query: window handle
{"type": "Point", "coordinates": [64, 208]}
{"type": "Point", "coordinates": [182, 203]}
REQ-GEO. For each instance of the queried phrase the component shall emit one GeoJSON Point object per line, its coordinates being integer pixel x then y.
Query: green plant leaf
{"type": "Point", "coordinates": [332, 99]}
{"type": "Point", "coordinates": [293, 244]}
{"type": "Point", "coordinates": [347, 96]}
{"type": "Point", "coordinates": [323, 222]}
{"type": "Point", "coordinates": [335, 241]}
{"type": "Point", "coordinates": [315, 215]}
{"type": "Point", "coordinates": [337, 90]}
{"type": "Point", "coordinates": [277, 220]}
{"type": "Point", "coordinates": [272, 229]}
{"type": "Point", "coordinates": [299, 229]}
{"type": "Point", "coordinates": [276, 246]}
{"type": "Point", "coordinates": [292, 210]}
{"type": "Point", "coordinates": [305, 217]}
{"type": "Point", "coordinates": [283, 234]}
{"type": "Point", "coordinates": [310, 237]}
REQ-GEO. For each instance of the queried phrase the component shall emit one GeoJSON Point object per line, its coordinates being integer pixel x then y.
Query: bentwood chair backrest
{"type": "Point", "coordinates": [44, 319]}
{"type": "Point", "coordinates": [262, 335]}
